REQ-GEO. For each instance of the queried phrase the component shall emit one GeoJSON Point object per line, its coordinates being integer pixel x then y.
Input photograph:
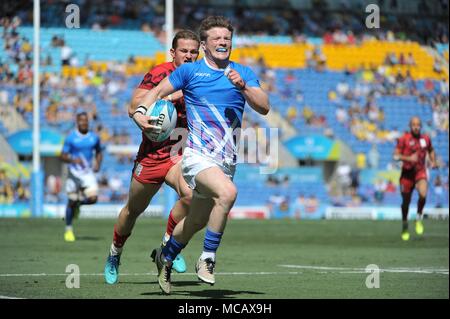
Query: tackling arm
{"type": "Point", "coordinates": [145, 98]}
{"type": "Point", "coordinates": [141, 102]}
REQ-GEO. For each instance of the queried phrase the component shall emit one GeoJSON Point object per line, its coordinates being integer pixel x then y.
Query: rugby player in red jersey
{"type": "Point", "coordinates": [154, 164]}
{"type": "Point", "coordinates": [412, 149]}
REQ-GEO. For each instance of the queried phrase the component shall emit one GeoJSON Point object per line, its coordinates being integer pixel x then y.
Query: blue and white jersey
{"type": "Point", "coordinates": [82, 146]}
{"type": "Point", "coordinates": [214, 107]}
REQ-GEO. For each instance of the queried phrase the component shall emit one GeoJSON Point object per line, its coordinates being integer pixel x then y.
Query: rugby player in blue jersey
{"type": "Point", "coordinates": [215, 91]}
{"type": "Point", "coordinates": [79, 149]}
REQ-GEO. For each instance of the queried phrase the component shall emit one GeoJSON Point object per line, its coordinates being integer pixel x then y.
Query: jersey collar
{"type": "Point", "coordinates": [81, 134]}
{"type": "Point", "coordinates": [213, 68]}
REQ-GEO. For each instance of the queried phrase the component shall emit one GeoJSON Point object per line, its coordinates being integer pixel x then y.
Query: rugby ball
{"type": "Point", "coordinates": [166, 113]}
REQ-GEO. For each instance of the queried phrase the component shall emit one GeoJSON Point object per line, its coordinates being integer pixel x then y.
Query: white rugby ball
{"type": "Point", "coordinates": [166, 113]}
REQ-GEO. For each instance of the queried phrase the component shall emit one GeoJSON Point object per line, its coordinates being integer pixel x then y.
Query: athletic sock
{"type": "Point", "coordinates": [69, 215]}
{"type": "Point", "coordinates": [405, 225]}
{"type": "Point", "coordinates": [171, 223]}
{"type": "Point", "coordinates": [118, 242]}
{"type": "Point", "coordinates": [172, 249]}
{"type": "Point", "coordinates": [114, 251]}
{"type": "Point", "coordinates": [420, 205]}
{"type": "Point", "coordinates": [210, 244]}
{"type": "Point", "coordinates": [166, 238]}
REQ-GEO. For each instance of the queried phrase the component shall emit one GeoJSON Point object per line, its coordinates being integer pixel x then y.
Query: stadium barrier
{"type": "Point", "coordinates": [113, 210]}
{"type": "Point", "coordinates": [238, 212]}
{"type": "Point", "coordinates": [381, 213]}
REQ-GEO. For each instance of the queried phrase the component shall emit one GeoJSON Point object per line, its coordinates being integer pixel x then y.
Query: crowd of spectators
{"type": "Point", "coordinates": [342, 24]}
{"type": "Point", "coordinates": [13, 190]}
{"type": "Point", "coordinates": [62, 96]}
{"type": "Point", "coordinates": [366, 121]}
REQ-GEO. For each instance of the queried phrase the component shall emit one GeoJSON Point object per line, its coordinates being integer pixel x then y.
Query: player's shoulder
{"type": "Point", "coordinates": [406, 136]}
{"type": "Point", "coordinates": [163, 68]}
{"type": "Point", "coordinates": [188, 68]}
{"type": "Point", "coordinates": [191, 65]}
{"type": "Point", "coordinates": [239, 67]}
{"type": "Point", "coordinates": [94, 135]}
{"type": "Point", "coordinates": [71, 135]}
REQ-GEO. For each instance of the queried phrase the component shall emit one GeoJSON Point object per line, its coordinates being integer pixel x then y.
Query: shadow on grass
{"type": "Point", "coordinates": [174, 283]}
{"type": "Point", "coordinates": [89, 238]}
{"type": "Point", "coordinates": [207, 293]}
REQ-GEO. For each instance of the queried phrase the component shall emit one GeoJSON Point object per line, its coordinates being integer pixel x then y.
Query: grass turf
{"type": "Point", "coordinates": [248, 264]}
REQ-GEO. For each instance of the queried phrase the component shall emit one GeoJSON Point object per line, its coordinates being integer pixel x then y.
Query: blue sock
{"type": "Point", "coordinates": [69, 214]}
{"type": "Point", "coordinates": [172, 249]}
{"type": "Point", "coordinates": [211, 241]}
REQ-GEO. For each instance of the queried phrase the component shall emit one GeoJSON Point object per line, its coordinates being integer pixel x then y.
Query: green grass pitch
{"type": "Point", "coordinates": [257, 259]}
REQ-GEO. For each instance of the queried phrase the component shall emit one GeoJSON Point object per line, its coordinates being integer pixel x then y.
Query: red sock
{"type": "Point", "coordinates": [171, 223]}
{"type": "Point", "coordinates": [421, 204]}
{"type": "Point", "coordinates": [119, 240]}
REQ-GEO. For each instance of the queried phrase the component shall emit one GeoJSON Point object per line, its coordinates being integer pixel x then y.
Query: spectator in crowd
{"type": "Point", "coordinates": [380, 189]}
{"type": "Point", "coordinates": [374, 157]}
{"type": "Point", "coordinates": [438, 192]}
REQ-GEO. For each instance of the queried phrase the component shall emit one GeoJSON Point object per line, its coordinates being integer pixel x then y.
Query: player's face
{"type": "Point", "coordinates": [186, 51]}
{"type": "Point", "coordinates": [218, 43]}
{"type": "Point", "coordinates": [83, 124]}
{"type": "Point", "coordinates": [415, 126]}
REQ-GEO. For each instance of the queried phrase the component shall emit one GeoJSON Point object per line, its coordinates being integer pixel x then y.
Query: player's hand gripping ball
{"type": "Point", "coordinates": [165, 119]}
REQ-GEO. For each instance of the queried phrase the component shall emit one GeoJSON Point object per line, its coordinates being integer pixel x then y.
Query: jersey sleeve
{"type": "Point", "coordinates": [179, 77]}
{"type": "Point", "coordinates": [152, 78]}
{"type": "Point", "coordinates": [67, 147]}
{"type": "Point", "coordinates": [400, 144]}
{"type": "Point", "coordinates": [430, 145]}
{"type": "Point", "coordinates": [250, 78]}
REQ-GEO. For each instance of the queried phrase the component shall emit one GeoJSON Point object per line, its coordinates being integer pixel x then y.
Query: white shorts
{"type": "Point", "coordinates": [85, 182]}
{"type": "Point", "coordinates": [193, 163]}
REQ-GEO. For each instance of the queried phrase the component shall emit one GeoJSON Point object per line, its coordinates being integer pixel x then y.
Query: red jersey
{"type": "Point", "coordinates": [408, 145]}
{"type": "Point", "coordinates": [148, 150]}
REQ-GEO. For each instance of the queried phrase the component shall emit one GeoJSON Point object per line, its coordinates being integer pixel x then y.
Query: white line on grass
{"type": "Point", "coordinates": [351, 270]}
{"type": "Point", "coordinates": [9, 297]}
{"type": "Point", "coordinates": [154, 274]}
{"type": "Point", "coordinates": [319, 269]}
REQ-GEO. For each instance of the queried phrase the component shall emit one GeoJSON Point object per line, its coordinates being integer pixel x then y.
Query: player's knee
{"type": "Point", "coordinates": [227, 196]}
{"type": "Point", "coordinates": [186, 196]}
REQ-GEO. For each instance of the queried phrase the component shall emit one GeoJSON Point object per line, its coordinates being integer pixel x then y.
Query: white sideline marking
{"type": "Point", "coordinates": [9, 297]}
{"type": "Point", "coordinates": [154, 274]}
{"type": "Point", "coordinates": [319, 269]}
{"type": "Point", "coordinates": [350, 270]}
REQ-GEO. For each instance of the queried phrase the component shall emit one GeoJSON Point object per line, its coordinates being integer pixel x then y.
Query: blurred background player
{"type": "Point", "coordinates": [215, 90]}
{"type": "Point", "coordinates": [412, 149]}
{"type": "Point", "coordinates": [81, 186]}
{"type": "Point", "coordinates": [154, 163]}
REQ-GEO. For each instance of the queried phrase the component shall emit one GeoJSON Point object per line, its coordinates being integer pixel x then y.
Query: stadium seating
{"type": "Point", "coordinates": [101, 48]}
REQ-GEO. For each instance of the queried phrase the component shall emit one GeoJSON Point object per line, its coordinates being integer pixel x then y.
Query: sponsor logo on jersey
{"type": "Point", "coordinates": [423, 143]}
{"type": "Point", "coordinates": [202, 74]}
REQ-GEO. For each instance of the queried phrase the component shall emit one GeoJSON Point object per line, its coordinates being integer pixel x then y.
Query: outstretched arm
{"type": "Point", "coordinates": [139, 105]}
